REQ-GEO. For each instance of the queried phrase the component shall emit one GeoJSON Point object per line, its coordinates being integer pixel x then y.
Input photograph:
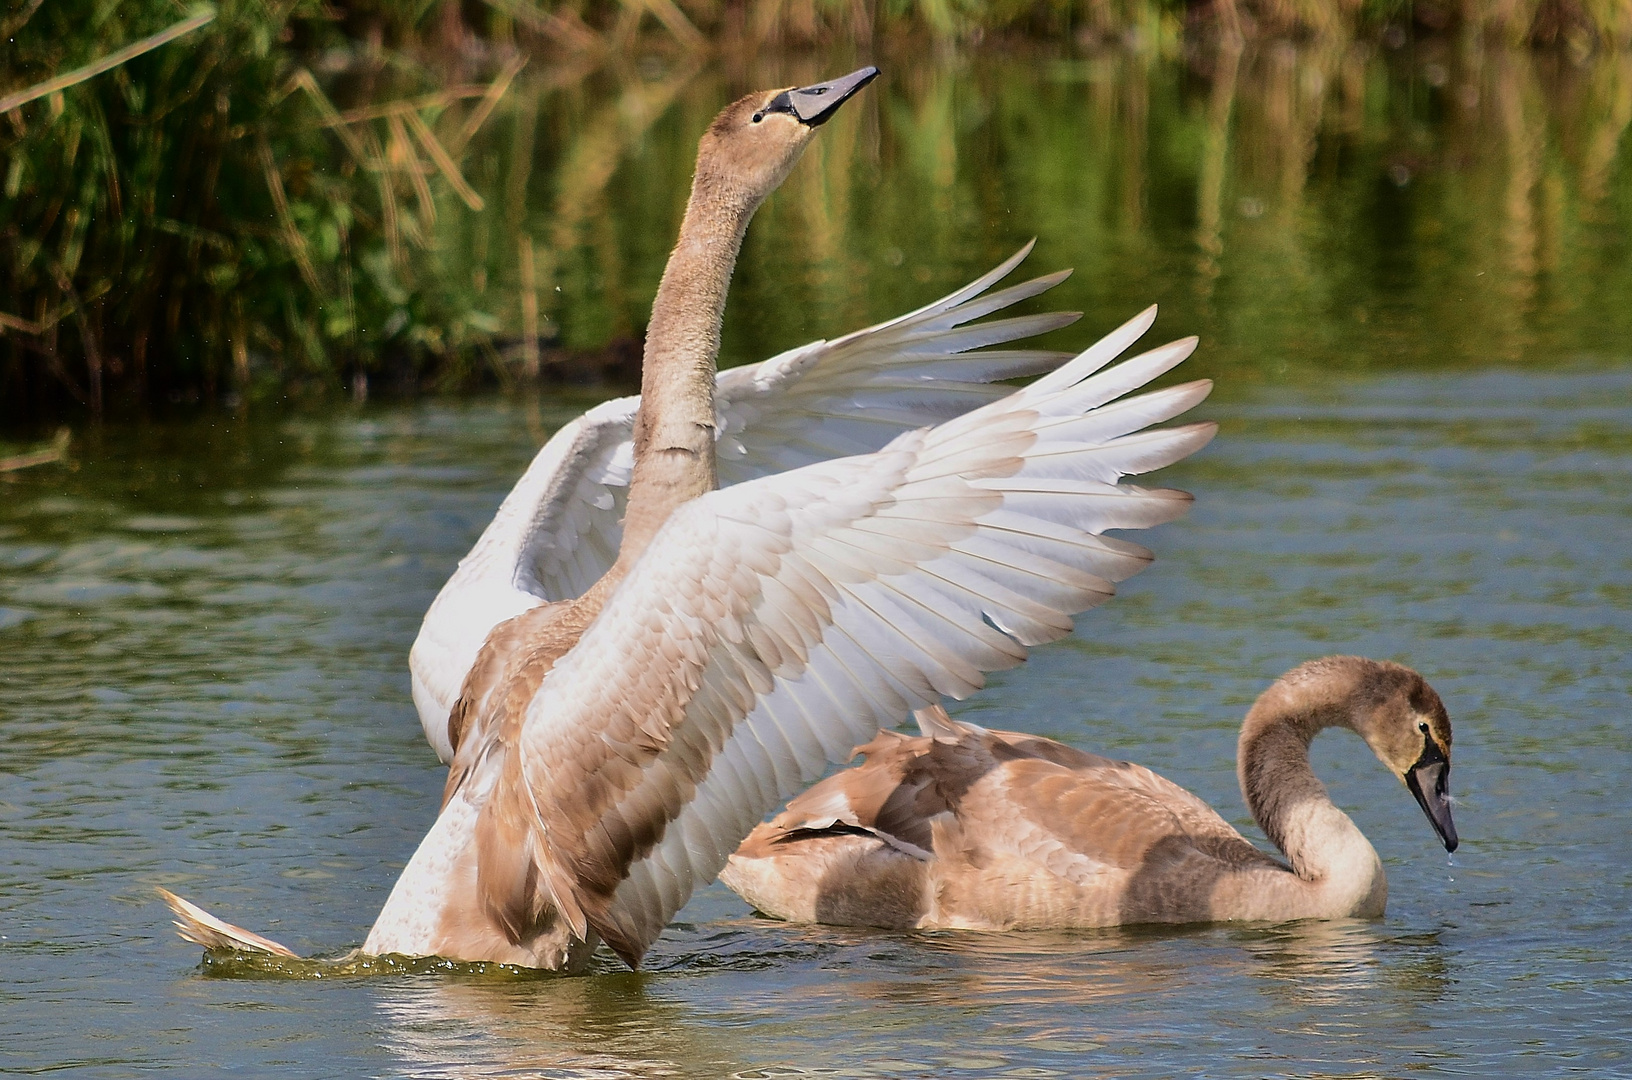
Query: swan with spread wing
{"type": "Point", "coordinates": [610, 750]}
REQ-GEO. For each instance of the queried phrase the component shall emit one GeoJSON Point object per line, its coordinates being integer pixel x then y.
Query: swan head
{"type": "Point", "coordinates": [755, 142]}
{"type": "Point", "coordinates": [1405, 723]}
{"type": "Point", "coordinates": [1388, 705]}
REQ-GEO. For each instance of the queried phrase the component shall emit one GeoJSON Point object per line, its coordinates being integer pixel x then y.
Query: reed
{"type": "Point", "coordinates": [599, 26]}
{"type": "Point", "coordinates": [200, 220]}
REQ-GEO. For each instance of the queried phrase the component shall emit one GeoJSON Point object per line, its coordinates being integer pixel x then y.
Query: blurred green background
{"type": "Point", "coordinates": [302, 200]}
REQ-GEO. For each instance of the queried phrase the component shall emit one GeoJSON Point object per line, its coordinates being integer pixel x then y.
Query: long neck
{"type": "Point", "coordinates": [674, 428]}
{"type": "Point", "coordinates": [674, 425]}
{"type": "Point", "coordinates": [1291, 805]}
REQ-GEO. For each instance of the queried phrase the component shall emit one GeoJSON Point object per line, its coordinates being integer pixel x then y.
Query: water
{"type": "Point", "coordinates": [204, 624]}
{"type": "Point", "coordinates": [205, 689]}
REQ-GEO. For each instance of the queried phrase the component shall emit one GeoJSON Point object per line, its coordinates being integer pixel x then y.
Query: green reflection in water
{"type": "Point", "coordinates": [1301, 207]}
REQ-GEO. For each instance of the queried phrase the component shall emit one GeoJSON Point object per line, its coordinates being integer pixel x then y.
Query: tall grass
{"type": "Point", "coordinates": [585, 25]}
{"type": "Point", "coordinates": [200, 220]}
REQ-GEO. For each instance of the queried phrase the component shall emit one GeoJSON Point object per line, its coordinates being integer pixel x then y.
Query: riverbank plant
{"type": "Point", "coordinates": [202, 221]}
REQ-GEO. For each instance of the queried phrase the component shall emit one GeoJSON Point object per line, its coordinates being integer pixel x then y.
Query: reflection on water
{"type": "Point", "coordinates": [1026, 1004]}
{"type": "Point", "coordinates": [596, 1027]}
{"type": "Point", "coordinates": [1368, 207]}
{"type": "Point", "coordinates": [1335, 202]}
{"type": "Point", "coordinates": [1319, 965]}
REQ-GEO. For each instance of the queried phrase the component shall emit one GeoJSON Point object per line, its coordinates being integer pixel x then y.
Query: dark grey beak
{"type": "Point", "coordinates": [814, 105]}
{"type": "Point", "coordinates": [1428, 781]}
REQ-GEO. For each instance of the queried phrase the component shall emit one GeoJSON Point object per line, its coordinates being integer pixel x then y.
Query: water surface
{"type": "Point", "coordinates": [205, 689]}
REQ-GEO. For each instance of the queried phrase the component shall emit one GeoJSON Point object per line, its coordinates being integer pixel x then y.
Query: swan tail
{"type": "Point", "coordinates": [195, 924]}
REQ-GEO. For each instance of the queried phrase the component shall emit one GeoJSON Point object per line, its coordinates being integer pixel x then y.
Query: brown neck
{"type": "Point", "coordinates": [674, 428]}
{"type": "Point", "coordinates": [1272, 758]}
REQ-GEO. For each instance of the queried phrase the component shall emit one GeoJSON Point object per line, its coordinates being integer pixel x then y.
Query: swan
{"type": "Point", "coordinates": [992, 830]}
{"type": "Point", "coordinates": [559, 529]}
{"type": "Point", "coordinates": [613, 751]}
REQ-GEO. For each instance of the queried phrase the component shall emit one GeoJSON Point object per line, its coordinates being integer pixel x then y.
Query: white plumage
{"type": "Point", "coordinates": [558, 530]}
{"type": "Point", "coordinates": [767, 629]}
{"type": "Point", "coordinates": [651, 693]}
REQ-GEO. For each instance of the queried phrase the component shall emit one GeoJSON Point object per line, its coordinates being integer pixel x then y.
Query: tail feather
{"type": "Point", "coordinates": [201, 928]}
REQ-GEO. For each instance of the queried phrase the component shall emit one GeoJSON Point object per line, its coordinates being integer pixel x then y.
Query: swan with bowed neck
{"type": "Point", "coordinates": [965, 828]}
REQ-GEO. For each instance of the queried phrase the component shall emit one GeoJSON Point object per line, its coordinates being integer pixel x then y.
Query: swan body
{"type": "Point", "coordinates": [768, 628]}
{"type": "Point", "coordinates": [611, 750]}
{"type": "Point", "coordinates": [975, 829]}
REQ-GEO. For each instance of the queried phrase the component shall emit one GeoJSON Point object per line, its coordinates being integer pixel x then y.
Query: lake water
{"type": "Point", "coordinates": [1425, 455]}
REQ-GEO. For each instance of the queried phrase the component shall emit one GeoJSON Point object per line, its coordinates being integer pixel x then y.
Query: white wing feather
{"type": "Point", "coordinates": [559, 528]}
{"type": "Point", "coordinates": [774, 625]}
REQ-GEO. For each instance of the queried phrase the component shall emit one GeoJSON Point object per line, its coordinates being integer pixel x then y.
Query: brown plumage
{"type": "Point", "coordinates": [612, 751]}
{"type": "Point", "coordinates": [969, 828]}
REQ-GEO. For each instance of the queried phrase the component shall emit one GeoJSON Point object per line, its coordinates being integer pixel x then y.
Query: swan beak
{"type": "Point", "coordinates": [1428, 780]}
{"type": "Point", "coordinates": [815, 105]}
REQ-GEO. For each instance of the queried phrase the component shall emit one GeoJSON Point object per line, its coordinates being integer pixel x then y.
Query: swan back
{"type": "Point", "coordinates": [996, 830]}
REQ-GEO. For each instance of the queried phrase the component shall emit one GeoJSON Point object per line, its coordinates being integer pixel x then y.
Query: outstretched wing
{"type": "Point", "coordinates": [774, 625]}
{"type": "Point", "coordinates": [559, 528]}
{"type": "Point", "coordinates": [852, 395]}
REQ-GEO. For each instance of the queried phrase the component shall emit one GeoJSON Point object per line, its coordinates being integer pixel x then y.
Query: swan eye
{"type": "Point", "coordinates": [1422, 726]}
{"type": "Point", "coordinates": [758, 116]}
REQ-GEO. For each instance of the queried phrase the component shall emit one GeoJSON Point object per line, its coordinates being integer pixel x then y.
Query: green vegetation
{"type": "Point", "coordinates": [296, 197]}
{"type": "Point", "coordinates": [194, 210]}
